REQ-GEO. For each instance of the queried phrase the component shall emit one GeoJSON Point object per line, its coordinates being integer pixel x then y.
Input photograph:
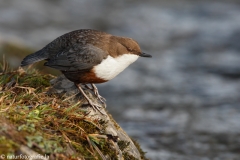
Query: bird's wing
{"type": "Point", "coordinates": [77, 58]}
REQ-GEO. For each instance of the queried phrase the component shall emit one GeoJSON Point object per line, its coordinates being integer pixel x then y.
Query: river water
{"type": "Point", "coordinates": [182, 104]}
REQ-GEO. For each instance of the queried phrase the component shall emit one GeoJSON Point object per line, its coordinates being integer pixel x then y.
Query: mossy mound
{"type": "Point", "coordinates": [45, 123]}
{"type": "Point", "coordinates": [48, 125]}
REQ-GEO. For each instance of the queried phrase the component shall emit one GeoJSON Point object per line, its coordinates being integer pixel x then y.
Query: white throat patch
{"type": "Point", "coordinates": [111, 67]}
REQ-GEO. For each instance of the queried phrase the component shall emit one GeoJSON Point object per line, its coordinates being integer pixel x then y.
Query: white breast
{"type": "Point", "coordinates": [111, 67]}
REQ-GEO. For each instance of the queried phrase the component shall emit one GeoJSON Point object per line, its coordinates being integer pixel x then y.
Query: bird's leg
{"type": "Point", "coordinates": [95, 91]}
{"type": "Point", "coordinates": [94, 106]}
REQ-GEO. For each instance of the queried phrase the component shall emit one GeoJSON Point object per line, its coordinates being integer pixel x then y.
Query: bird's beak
{"type": "Point", "coordinates": [145, 55]}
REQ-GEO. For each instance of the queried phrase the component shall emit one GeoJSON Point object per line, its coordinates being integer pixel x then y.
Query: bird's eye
{"type": "Point", "coordinates": [130, 49]}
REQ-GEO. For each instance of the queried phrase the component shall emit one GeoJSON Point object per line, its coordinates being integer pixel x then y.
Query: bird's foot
{"type": "Point", "coordinates": [102, 99]}
{"type": "Point", "coordinates": [96, 107]}
{"type": "Point", "coordinates": [95, 91]}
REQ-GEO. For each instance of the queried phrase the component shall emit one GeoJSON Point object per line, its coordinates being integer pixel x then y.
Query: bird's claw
{"type": "Point", "coordinates": [99, 97]}
{"type": "Point", "coordinates": [102, 99]}
{"type": "Point", "coordinates": [96, 107]}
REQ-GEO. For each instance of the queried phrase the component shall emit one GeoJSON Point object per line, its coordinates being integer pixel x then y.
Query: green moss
{"type": "Point", "coordinates": [123, 145]}
{"type": "Point", "coordinates": [7, 146]}
{"type": "Point", "coordinates": [4, 79]}
{"type": "Point", "coordinates": [28, 127]}
{"type": "Point", "coordinates": [45, 145]}
{"type": "Point", "coordinates": [107, 150]}
{"type": "Point", "coordinates": [126, 156]}
{"type": "Point", "coordinates": [36, 81]}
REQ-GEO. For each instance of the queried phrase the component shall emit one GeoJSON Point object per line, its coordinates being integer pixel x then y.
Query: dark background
{"type": "Point", "coordinates": [184, 103]}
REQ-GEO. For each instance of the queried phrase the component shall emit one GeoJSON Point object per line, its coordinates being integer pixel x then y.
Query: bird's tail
{"type": "Point", "coordinates": [34, 57]}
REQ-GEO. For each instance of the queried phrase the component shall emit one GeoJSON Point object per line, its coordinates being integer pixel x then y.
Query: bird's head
{"type": "Point", "coordinates": [132, 47]}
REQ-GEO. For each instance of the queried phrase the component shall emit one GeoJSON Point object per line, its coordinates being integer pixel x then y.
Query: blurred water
{"type": "Point", "coordinates": [182, 104]}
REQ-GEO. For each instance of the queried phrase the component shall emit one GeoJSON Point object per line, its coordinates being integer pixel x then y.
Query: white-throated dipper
{"type": "Point", "coordinates": [88, 56]}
